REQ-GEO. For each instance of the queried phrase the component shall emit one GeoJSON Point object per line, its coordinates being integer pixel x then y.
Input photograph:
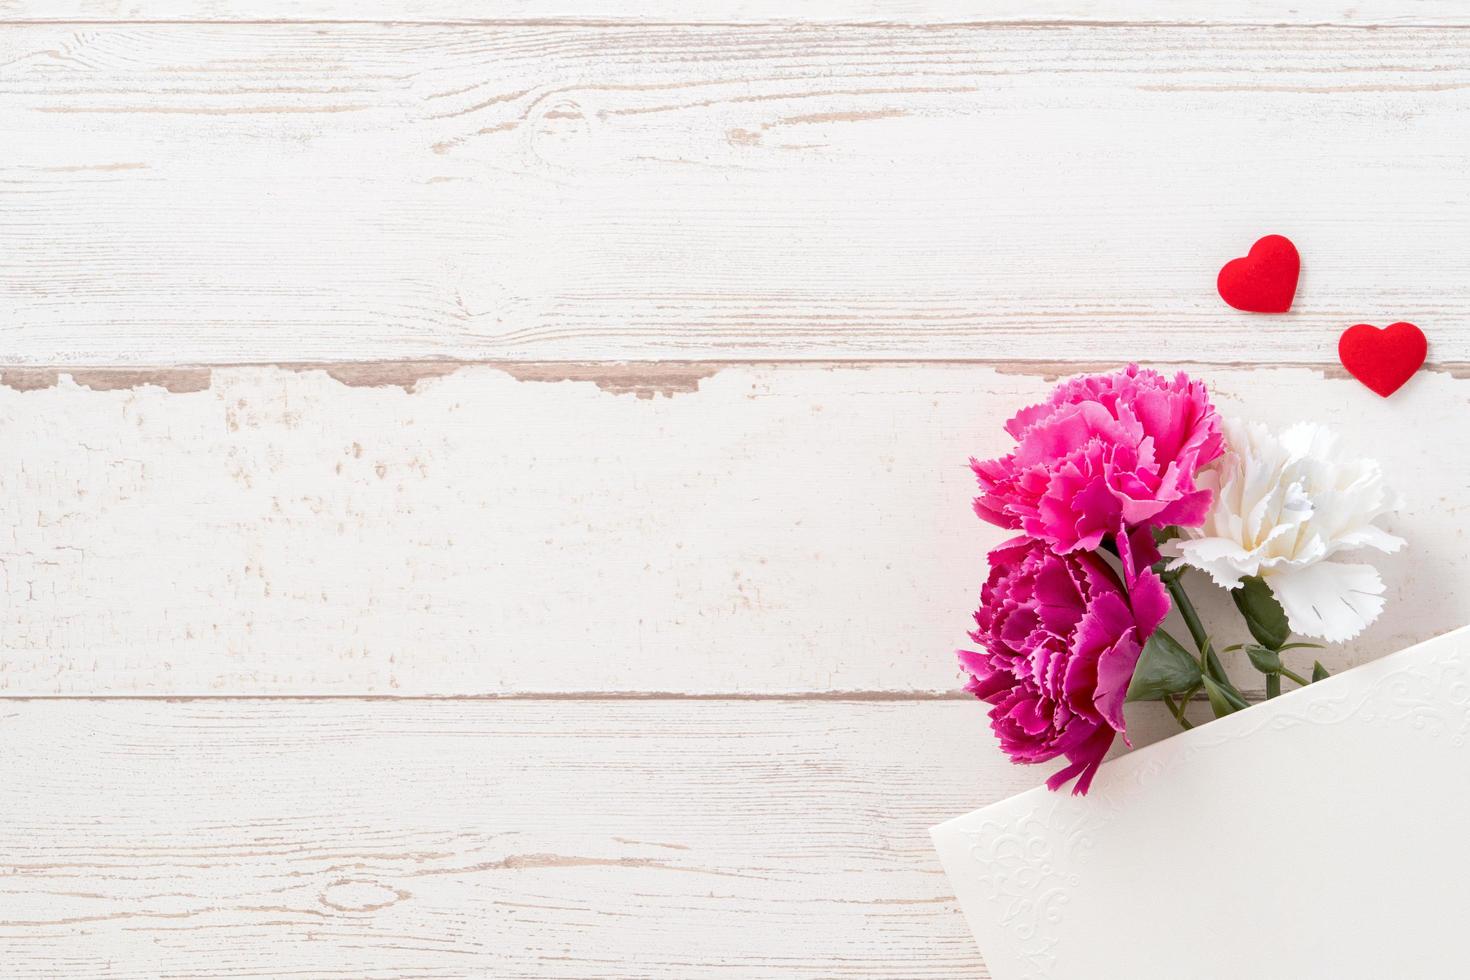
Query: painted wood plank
{"type": "Point", "coordinates": [178, 194]}
{"type": "Point", "coordinates": [576, 840]}
{"type": "Point", "coordinates": [1380, 13]}
{"type": "Point", "coordinates": [754, 528]}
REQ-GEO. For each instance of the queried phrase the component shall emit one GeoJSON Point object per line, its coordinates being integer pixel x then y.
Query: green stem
{"type": "Point", "coordinates": [1295, 676]}
{"type": "Point", "coordinates": [1186, 610]}
{"type": "Point", "coordinates": [1273, 686]}
{"type": "Point", "coordinates": [1208, 661]}
{"type": "Point", "coordinates": [1177, 710]}
{"type": "Point", "coordinates": [1184, 705]}
{"type": "Point", "coordinates": [1173, 707]}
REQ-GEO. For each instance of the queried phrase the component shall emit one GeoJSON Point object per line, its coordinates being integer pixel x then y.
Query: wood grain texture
{"type": "Point", "coordinates": [1198, 12]}
{"type": "Point", "coordinates": [594, 392]}
{"type": "Point", "coordinates": [759, 529]}
{"type": "Point", "coordinates": [557, 841]}
{"type": "Point", "coordinates": [194, 193]}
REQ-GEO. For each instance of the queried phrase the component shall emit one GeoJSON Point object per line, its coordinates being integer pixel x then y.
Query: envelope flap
{"type": "Point", "coordinates": [1321, 834]}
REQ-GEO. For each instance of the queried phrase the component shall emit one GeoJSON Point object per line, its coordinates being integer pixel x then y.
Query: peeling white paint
{"type": "Point", "coordinates": [786, 528]}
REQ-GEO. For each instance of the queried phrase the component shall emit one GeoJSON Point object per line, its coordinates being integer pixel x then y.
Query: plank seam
{"type": "Point", "coordinates": [831, 697]}
{"type": "Point", "coordinates": [897, 25]}
{"type": "Point", "coordinates": [854, 696]}
{"type": "Point", "coordinates": [24, 376]}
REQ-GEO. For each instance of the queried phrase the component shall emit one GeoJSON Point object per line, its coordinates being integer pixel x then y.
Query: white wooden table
{"type": "Point", "coordinates": [485, 487]}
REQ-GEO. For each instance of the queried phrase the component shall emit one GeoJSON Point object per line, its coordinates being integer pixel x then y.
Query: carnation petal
{"type": "Point", "coordinates": [1085, 757]}
{"type": "Point", "coordinates": [1188, 510]}
{"type": "Point", "coordinates": [1104, 455]}
{"type": "Point", "coordinates": [1225, 561]}
{"type": "Point", "coordinates": [1061, 635]}
{"type": "Point", "coordinates": [1369, 536]}
{"type": "Point", "coordinates": [1150, 602]}
{"type": "Point", "coordinates": [985, 682]}
{"type": "Point", "coordinates": [1027, 715]}
{"type": "Point", "coordinates": [1114, 673]}
{"type": "Point", "coordinates": [1137, 551]}
{"type": "Point", "coordinates": [1329, 600]}
{"type": "Point", "coordinates": [1286, 505]}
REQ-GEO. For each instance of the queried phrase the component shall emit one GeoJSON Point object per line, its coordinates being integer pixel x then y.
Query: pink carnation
{"type": "Point", "coordinates": [1061, 639]}
{"type": "Point", "coordinates": [1107, 453]}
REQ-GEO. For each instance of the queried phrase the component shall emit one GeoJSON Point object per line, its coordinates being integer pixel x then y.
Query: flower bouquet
{"type": "Point", "coordinates": [1324, 823]}
{"type": "Point", "coordinates": [1119, 484]}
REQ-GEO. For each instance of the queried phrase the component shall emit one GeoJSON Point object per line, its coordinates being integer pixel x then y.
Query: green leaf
{"type": "Point", "coordinates": [1164, 667]}
{"type": "Point", "coordinates": [1219, 702]}
{"type": "Point", "coordinates": [1264, 660]}
{"type": "Point", "coordinates": [1263, 614]}
{"type": "Point", "coordinates": [1214, 670]}
{"type": "Point", "coordinates": [1319, 673]}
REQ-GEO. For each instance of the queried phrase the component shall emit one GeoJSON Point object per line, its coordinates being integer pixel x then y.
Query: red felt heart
{"type": "Point", "coordinates": [1382, 359]}
{"type": "Point", "coordinates": [1264, 281]}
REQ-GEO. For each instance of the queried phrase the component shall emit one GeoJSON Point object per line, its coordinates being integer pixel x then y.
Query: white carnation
{"type": "Point", "coordinates": [1283, 508]}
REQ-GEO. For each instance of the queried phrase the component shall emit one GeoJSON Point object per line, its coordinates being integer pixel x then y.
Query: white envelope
{"type": "Point", "coordinates": [1322, 834]}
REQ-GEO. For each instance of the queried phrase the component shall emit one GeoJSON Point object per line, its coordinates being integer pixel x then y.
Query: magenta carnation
{"type": "Point", "coordinates": [1061, 639]}
{"type": "Point", "coordinates": [1107, 453]}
